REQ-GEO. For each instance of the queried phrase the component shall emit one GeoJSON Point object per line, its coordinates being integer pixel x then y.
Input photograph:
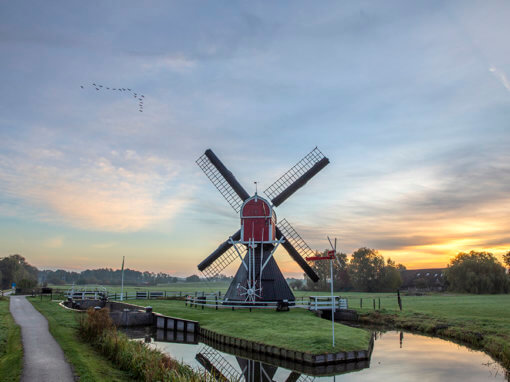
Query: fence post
{"type": "Point", "coordinates": [216, 299]}
{"type": "Point", "coordinates": [399, 300]}
{"type": "Point", "coordinates": [165, 294]}
{"type": "Point", "coordinates": [361, 303]}
{"type": "Point", "coordinates": [204, 301]}
{"type": "Point", "coordinates": [374, 303]}
{"type": "Point", "coordinates": [379, 303]}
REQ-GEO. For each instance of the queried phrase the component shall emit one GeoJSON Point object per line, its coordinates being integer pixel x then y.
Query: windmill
{"type": "Point", "coordinates": [258, 277]}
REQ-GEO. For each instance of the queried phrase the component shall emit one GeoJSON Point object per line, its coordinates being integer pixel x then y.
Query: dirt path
{"type": "Point", "coordinates": [43, 359]}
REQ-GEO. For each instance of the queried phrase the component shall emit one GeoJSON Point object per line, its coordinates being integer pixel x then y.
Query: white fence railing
{"type": "Point", "coordinates": [319, 303]}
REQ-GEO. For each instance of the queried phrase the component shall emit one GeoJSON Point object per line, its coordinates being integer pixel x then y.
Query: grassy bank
{"type": "Point", "coordinates": [145, 363]}
{"type": "Point", "coordinates": [298, 329]}
{"type": "Point", "coordinates": [87, 362]}
{"type": "Point", "coordinates": [480, 320]}
{"type": "Point", "coordinates": [11, 350]}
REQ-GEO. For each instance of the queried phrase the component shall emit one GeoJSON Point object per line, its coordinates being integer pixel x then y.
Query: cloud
{"type": "Point", "coordinates": [175, 62]}
{"type": "Point", "coordinates": [54, 242]}
{"type": "Point", "coordinates": [501, 77]}
{"type": "Point", "coordinates": [104, 245]}
{"type": "Point", "coordinates": [122, 191]}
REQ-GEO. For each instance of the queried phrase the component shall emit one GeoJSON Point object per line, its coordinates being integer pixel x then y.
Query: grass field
{"type": "Point", "coordinates": [482, 320]}
{"type": "Point", "coordinates": [298, 329]}
{"type": "Point", "coordinates": [11, 350]}
{"type": "Point", "coordinates": [87, 363]}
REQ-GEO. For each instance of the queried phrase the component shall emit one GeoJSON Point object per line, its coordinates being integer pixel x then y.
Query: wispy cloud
{"type": "Point", "coordinates": [501, 76]}
{"type": "Point", "coordinates": [119, 192]}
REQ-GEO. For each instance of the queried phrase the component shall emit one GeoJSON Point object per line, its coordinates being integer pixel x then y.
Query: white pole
{"type": "Point", "coordinates": [122, 282]}
{"type": "Point", "coordinates": [332, 304]}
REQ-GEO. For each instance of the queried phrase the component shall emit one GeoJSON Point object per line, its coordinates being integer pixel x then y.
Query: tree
{"type": "Point", "coordinates": [391, 279]}
{"type": "Point", "coordinates": [192, 279]}
{"type": "Point", "coordinates": [366, 270]}
{"type": "Point", "coordinates": [506, 259]}
{"type": "Point", "coordinates": [296, 284]}
{"type": "Point", "coordinates": [341, 280]}
{"type": "Point", "coordinates": [14, 269]}
{"type": "Point", "coordinates": [477, 272]}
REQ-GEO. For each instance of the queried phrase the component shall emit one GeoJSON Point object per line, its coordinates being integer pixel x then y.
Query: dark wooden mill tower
{"type": "Point", "coordinates": [258, 277]}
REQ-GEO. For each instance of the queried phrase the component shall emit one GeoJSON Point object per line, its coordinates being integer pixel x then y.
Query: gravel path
{"type": "Point", "coordinates": [43, 359]}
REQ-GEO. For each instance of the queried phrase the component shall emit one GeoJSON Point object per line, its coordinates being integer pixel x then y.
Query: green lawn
{"type": "Point", "coordinates": [298, 329]}
{"type": "Point", "coordinates": [11, 350]}
{"type": "Point", "coordinates": [87, 363]}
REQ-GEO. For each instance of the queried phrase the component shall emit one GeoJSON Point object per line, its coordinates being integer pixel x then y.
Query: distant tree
{"type": "Point", "coordinates": [391, 279]}
{"type": "Point", "coordinates": [477, 272]}
{"type": "Point", "coordinates": [366, 270]}
{"type": "Point", "coordinates": [506, 259]}
{"type": "Point", "coordinates": [192, 279]}
{"type": "Point", "coordinates": [296, 284]}
{"type": "Point", "coordinates": [14, 269]}
{"type": "Point", "coordinates": [341, 280]}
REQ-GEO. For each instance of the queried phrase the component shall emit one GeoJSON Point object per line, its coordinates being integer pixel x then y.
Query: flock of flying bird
{"type": "Point", "coordinates": [139, 97]}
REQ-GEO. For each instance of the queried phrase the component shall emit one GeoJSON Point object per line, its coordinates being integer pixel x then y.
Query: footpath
{"type": "Point", "coordinates": [43, 359]}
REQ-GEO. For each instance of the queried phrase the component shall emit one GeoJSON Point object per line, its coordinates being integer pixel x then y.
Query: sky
{"type": "Point", "coordinates": [410, 101]}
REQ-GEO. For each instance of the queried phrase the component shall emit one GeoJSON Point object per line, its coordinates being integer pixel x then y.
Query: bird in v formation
{"type": "Point", "coordinates": [135, 95]}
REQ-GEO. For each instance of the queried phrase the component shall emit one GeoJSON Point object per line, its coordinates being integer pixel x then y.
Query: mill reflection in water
{"type": "Point", "coordinates": [397, 356]}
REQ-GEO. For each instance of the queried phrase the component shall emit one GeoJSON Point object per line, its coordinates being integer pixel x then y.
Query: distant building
{"type": "Point", "coordinates": [424, 279]}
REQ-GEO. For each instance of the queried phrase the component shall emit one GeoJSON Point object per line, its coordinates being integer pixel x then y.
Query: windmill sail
{"type": "Point", "coordinates": [296, 247]}
{"type": "Point", "coordinates": [222, 257]}
{"type": "Point", "coordinates": [214, 362]}
{"type": "Point", "coordinates": [223, 179]}
{"type": "Point", "coordinates": [296, 177]}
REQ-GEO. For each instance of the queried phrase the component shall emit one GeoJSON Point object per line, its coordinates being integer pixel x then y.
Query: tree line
{"type": "Point", "coordinates": [105, 276]}
{"type": "Point", "coordinates": [366, 271]}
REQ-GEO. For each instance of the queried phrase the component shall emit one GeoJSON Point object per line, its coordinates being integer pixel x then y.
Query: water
{"type": "Point", "coordinates": [397, 356]}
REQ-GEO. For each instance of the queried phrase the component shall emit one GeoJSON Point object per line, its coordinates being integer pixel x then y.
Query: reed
{"type": "Point", "coordinates": [134, 357]}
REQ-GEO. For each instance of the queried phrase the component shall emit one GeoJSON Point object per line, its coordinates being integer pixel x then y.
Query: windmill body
{"type": "Point", "coordinates": [259, 278]}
